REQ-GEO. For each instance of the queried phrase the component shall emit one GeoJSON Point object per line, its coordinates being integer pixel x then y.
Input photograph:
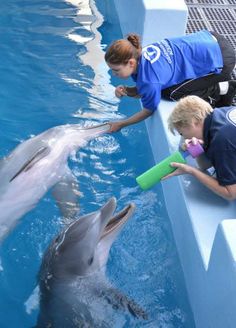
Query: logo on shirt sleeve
{"type": "Point", "coordinates": [231, 116]}
{"type": "Point", "coordinates": [151, 53]}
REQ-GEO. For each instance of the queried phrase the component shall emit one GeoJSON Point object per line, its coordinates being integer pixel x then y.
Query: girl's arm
{"type": "Point", "coordinates": [138, 117]}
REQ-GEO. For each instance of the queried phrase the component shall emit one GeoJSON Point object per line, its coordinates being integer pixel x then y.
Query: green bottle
{"type": "Point", "coordinates": [157, 172]}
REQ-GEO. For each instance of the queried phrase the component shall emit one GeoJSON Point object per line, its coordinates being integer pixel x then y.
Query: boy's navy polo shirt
{"type": "Point", "coordinates": [174, 60]}
{"type": "Point", "coordinates": [220, 143]}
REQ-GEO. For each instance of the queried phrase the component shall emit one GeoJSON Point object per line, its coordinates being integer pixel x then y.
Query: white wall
{"type": "Point", "coordinates": [152, 19]}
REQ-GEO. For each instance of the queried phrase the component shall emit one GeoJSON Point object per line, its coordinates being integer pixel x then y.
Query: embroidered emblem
{"type": "Point", "coordinates": [152, 53]}
{"type": "Point", "coordinates": [231, 116]}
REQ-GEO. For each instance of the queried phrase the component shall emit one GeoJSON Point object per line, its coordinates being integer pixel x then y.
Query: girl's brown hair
{"type": "Point", "coordinates": [122, 50]}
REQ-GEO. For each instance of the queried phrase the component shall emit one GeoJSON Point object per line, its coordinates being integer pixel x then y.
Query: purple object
{"type": "Point", "coordinates": [195, 150]}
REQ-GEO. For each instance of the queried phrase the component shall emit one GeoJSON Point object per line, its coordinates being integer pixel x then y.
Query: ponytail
{"type": "Point", "coordinates": [135, 40]}
{"type": "Point", "coordinates": [121, 51]}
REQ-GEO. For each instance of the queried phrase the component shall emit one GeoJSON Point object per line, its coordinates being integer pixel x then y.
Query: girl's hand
{"type": "Point", "coordinates": [115, 126]}
{"type": "Point", "coordinates": [120, 91]}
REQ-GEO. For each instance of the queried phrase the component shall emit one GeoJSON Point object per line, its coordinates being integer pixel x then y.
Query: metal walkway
{"type": "Point", "coordinates": [214, 15]}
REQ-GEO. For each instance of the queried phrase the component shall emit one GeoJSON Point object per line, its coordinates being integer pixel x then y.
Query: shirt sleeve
{"type": "Point", "coordinates": [150, 95]}
{"type": "Point", "coordinates": [225, 164]}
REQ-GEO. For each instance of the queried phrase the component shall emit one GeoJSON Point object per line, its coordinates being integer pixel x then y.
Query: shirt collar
{"type": "Point", "coordinates": [206, 130]}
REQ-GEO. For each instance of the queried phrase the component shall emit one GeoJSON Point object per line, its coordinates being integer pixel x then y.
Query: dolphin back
{"type": "Point", "coordinates": [92, 302]}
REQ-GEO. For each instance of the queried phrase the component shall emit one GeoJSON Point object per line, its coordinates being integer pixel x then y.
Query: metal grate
{"type": "Point", "coordinates": [222, 14]}
{"type": "Point", "coordinates": [209, 2]}
{"type": "Point", "coordinates": [215, 15]}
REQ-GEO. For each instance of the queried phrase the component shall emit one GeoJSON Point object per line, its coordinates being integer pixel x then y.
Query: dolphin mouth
{"type": "Point", "coordinates": [118, 220]}
{"type": "Point", "coordinates": [102, 128]}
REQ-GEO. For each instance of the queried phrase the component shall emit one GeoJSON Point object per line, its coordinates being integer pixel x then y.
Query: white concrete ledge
{"type": "Point", "coordinates": [204, 225]}
{"type": "Point", "coordinates": [152, 19]}
{"type": "Point", "coordinates": [206, 210]}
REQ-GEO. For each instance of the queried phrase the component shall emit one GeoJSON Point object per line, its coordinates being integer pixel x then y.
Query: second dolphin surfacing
{"type": "Point", "coordinates": [75, 291]}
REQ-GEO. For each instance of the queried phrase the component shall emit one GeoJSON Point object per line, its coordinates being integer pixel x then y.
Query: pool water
{"type": "Point", "coordinates": [52, 73]}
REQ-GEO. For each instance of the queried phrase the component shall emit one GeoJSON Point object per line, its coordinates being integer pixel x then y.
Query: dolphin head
{"type": "Point", "coordinates": [83, 247]}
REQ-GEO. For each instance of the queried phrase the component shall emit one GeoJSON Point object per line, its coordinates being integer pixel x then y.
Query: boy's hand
{"type": "Point", "coordinates": [180, 169]}
{"type": "Point", "coordinates": [193, 140]}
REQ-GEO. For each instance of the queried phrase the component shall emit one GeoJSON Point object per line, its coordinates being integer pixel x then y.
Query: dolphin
{"type": "Point", "coordinates": [74, 290]}
{"type": "Point", "coordinates": [37, 165]}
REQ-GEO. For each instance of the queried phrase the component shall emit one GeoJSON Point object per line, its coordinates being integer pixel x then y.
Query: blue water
{"type": "Point", "coordinates": [52, 73]}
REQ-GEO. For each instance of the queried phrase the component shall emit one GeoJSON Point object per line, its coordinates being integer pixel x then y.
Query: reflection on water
{"type": "Point", "coordinates": [102, 101]}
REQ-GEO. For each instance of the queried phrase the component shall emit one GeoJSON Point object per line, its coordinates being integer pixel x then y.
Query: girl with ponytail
{"type": "Point", "coordinates": [199, 64]}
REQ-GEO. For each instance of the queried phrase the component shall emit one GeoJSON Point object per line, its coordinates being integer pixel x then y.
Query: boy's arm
{"type": "Point", "coordinates": [227, 192]}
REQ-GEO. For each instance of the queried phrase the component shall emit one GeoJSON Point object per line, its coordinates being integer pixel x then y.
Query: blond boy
{"type": "Point", "coordinates": [195, 120]}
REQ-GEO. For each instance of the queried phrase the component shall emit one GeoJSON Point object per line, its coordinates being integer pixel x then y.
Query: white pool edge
{"type": "Point", "coordinates": [203, 224]}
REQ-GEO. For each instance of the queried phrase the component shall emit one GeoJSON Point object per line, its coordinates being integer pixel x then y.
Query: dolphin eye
{"type": "Point", "coordinates": [90, 261]}
{"type": "Point", "coordinates": [57, 240]}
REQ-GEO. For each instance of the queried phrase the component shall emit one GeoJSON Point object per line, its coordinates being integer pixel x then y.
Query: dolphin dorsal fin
{"type": "Point", "coordinates": [37, 156]}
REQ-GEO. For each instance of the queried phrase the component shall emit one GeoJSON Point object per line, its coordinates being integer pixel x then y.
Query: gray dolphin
{"type": "Point", "coordinates": [74, 290]}
{"type": "Point", "coordinates": [37, 165]}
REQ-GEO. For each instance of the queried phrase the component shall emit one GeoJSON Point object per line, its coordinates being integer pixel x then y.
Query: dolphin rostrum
{"type": "Point", "coordinates": [37, 165]}
{"type": "Point", "coordinates": [74, 291]}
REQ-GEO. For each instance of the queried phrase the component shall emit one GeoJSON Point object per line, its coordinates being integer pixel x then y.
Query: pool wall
{"type": "Point", "coordinates": [203, 224]}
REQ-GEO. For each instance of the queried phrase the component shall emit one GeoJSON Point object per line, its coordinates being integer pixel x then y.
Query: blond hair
{"type": "Point", "coordinates": [187, 109]}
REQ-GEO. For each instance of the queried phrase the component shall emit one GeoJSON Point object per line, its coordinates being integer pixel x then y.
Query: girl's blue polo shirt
{"type": "Point", "coordinates": [174, 60]}
{"type": "Point", "coordinates": [220, 143]}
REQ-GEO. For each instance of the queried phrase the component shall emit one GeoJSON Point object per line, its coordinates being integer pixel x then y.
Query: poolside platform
{"type": "Point", "coordinates": [203, 224]}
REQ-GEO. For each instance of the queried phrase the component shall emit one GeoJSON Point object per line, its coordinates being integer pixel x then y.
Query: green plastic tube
{"type": "Point", "coordinates": [157, 172]}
